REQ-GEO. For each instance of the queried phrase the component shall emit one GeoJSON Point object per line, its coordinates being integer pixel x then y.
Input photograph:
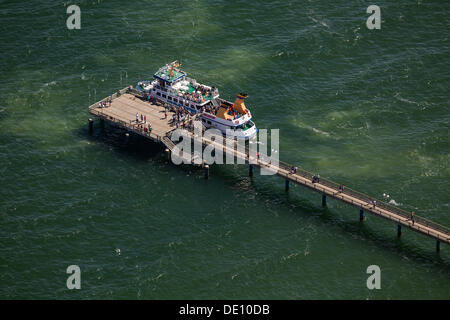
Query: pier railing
{"type": "Point", "coordinates": [116, 95]}
{"type": "Point", "coordinates": [367, 199]}
{"type": "Point", "coordinates": [128, 125]}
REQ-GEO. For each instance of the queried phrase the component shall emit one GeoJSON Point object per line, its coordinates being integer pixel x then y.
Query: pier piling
{"type": "Point", "coordinates": [324, 200]}
{"type": "Point", "coordinates": [361, 214]}
{"type": "Point", "coordinates": [286, 185]}
{"type": "Point", "coordinates": [91, 125]}
{"type": "Point", "coordinates": [127, 138]}
{"type": "Point", "coordinates": [399, 230]}
{"type": "Point", "coordinates": [206, 169]}
{"type": "Point", "coordinates": [438, 246]}
{"type": "Point", "coordinates": [167, 153]}
{"type": "Point", "coordinates": [250, 170]}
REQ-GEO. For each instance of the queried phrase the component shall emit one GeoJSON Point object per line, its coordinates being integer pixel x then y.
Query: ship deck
{"type": "Point", "coordinates": [161, 73]}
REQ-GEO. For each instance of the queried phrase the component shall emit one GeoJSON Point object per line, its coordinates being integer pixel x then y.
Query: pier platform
{"type": "Point", "coordinates": [121, 110]}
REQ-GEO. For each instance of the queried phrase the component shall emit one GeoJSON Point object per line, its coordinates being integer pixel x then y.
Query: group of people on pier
{"type": "Point", "coordinates": [105, 103]}
{"type": "Point", "coordinates": [147, 127]}
{"type": "Point", "coordinates": [316, 178]}
{"type": "Point", "coordinates": [180, 117]}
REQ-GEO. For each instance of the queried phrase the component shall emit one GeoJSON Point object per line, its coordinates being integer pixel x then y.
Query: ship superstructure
{"type": "Point", "coordinates": [172, 86]}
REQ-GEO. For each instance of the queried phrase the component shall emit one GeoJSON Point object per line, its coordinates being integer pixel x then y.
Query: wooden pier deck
{"type": "Point", "coordinates": [122, 113]}
{"type": "Point", "coordinates": [123, 109]}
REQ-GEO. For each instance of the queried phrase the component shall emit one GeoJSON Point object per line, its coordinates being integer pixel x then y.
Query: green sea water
{"type": "Point", "coordinates": [367, 108]}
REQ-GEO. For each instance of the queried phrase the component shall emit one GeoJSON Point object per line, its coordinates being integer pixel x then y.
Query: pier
{"type": "Point", "coordinates": [121, 108]}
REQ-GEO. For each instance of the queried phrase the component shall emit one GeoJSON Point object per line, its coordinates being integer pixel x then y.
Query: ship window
{"type": "Point", "coordinates": [175, 100]}
{"type": "Point", "coordinates": [164, 96]}
{"type": "Point", "coordinates": [158, 93]}
{"type": "Point", "coordinates": [209, 122]}
{"type": "Point", "coordinates": [170, 98]}
{"type": "Point", "coordinates": [203, 120]}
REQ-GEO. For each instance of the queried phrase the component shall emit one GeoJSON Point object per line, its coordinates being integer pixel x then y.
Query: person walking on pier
{"type": "Point", "coordinates": [412, 217]}
{"type": "Point", "coordinates": [137, 117]}
{"type": "Point", "coordinates": [341, 188]}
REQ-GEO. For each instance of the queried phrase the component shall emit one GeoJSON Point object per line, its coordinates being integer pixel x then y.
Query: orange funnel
{"type": "Point", "coordinates": [239, 104]}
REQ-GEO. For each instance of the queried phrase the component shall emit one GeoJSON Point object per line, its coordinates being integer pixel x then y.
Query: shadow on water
{"type": "Point", "coordinates": [116, 137]}
{"type": "Point", "coordinates": [143, 149]}
{"type": "Point", "coordinates": [132, 146]}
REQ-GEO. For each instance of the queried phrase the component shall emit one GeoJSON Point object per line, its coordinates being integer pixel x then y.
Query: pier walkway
{"type": "Point", "coordinates": [122, 113]}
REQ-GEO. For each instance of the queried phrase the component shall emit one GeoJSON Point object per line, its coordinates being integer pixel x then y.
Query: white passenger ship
{"type": "Point", "coordinates": [172, 86]}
